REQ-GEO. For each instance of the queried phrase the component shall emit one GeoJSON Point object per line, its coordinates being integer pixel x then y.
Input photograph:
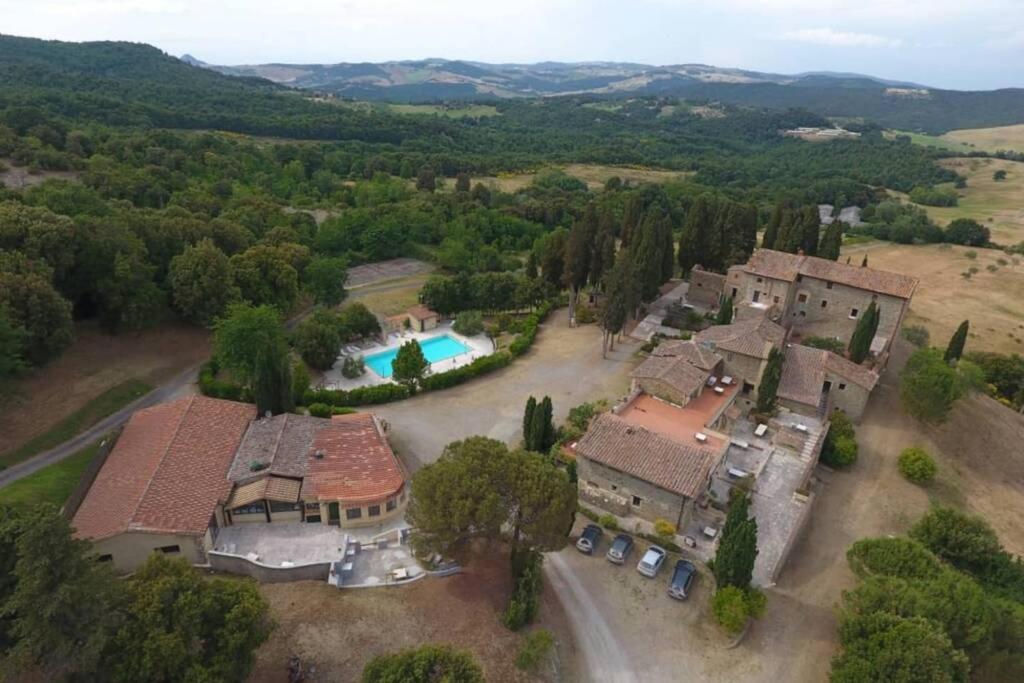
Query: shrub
{"type": "Point", "coordinates": [733, 607]}
{"type": "Point", "coordinates": [608, 522]}
{"type": "Point", "coordinates": [480, 366]}
{"type": "Point", "coordinates": [469, 323]}
{"type": "Point", "coordinates": [916, 335]}
{"type": "Point", "coordinates": [532, 322]}
{"type": "Point", "coordinates": [380, 393]}
{"type": "Point", "coordinates": [522, 606]}
{"type": "Point", "coordinates": [300, 382]}
{"type": "Point", "coordinates": [826, 343]}
{"type": "Point", "coordinates": [321, 410]}
{"type": "Point", "coordinates": [210, 386]}
{"type": "Point", "coordinates": [425, 664]}
{"type": "Point", "coordinates": [971, 254]}
{"type": "Point", "coordinates": [535, 648]}
{"type": "Point", "coordinates": [585, 315]}
{"type": "Point", "coordinates": [916, 466]}
{"type": "Point", "coordinates": [900, 557]}
{"type": "Point", "coordinates": [353, 367]}
{"type": "Point", "coordinates": [840, 447]}
{"type": "Point", "coordinates": [664, 529]}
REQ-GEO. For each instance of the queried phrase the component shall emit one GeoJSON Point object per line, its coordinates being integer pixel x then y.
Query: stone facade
{"type": "Point", "coordinates": [825, 309]}
{"type": "Point", "coordinates": [743, 368]}
{"type": "Point", "coordinates": [624, 495]}
{"type": "Point", "coordinates": [659, 388]}
{"type": "Point", "coordinates": [129, 550]}
{"type": "Point", "coordinates": [706, 288]}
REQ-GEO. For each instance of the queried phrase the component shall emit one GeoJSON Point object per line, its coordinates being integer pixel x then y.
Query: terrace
{"type": "Point", "coordinates": [682, 424]}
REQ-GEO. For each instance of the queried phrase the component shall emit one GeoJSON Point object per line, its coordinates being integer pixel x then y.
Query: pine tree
{"type": "Point", "coordinates": [955, 348]}
{"type": "Point", "coordinates": [832, 241]}
{"type": "Point", "coordinates": [409, 364]}
{"type": "Point", "coordinates": [531, 408]}
{"type": "Point", "coordinates": [737, 548]}
{"type": "Point", "coordinates": [864, 334]}
{"type": "Point", "coordinates": [542, 430]}
{"type": "Point", "coordinates": [766, 392]}
{"type": "Point", "coordinates": [724, 316]}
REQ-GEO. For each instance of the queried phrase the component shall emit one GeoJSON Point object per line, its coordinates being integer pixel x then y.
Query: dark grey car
{"type": "Point", "coordinates": [682, 578]}
{"type": "Point", "coordinates": [589, 539]}
{"type": "Point", "coordinates": [621, 547]}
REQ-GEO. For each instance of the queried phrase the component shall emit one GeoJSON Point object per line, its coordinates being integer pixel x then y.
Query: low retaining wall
{"type": "Point", "coordinates": [264, 573]}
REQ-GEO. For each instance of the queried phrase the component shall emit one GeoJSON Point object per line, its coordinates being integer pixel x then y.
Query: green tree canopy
{"type": "Point", "coordinates": [767, 391]}
{"type": "Point", "coordinates": [201, 282]}
{"type": "Point", "coordinates": [243, 334]}
{"type": "Point", "coordinates": [410, 365]}
{"type": "Point", "coordinates": [264, 274]}
{"type": "Point", "coordinates": [929, 386]}
{"type": "Point", "coordinates": [737, 548]}
{"type": "Point", "coordinates": [425, 664]}
{"type": "Point", "coordinates": [325, 279]}
{"type": "Point", "coordinates": [955, 348]}
{"type": "Point", "coordinates": [318, 339]}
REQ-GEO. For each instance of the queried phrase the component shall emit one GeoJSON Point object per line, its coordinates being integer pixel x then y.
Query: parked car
{"type": "Point", "coordinates": [621, 547]}
{"type": "Point", "coordinates": [682, 578]}
{"type": "Point", "coordinates": [651, 562]}
{"type": "Point", "coordinates": [589, 539]}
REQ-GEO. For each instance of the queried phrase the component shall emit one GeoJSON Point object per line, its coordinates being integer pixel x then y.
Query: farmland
{"type": "Point", "coordinates": [989, 139]}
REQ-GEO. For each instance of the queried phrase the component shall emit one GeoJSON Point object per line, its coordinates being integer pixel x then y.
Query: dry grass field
{"type": "Point", "coordinates": [991, 299]}
{"type": "Point", "coordinates": [990, 139]}
{"type": "Point", "coordinates": [594, 175]}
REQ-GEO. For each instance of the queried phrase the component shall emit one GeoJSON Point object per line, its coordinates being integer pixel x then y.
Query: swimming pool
{"type": "Point", "coordinates": [434, 350]}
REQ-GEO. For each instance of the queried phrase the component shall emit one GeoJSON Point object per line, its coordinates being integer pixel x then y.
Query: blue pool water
{"type": "Point", "coordinates": [434, 349]}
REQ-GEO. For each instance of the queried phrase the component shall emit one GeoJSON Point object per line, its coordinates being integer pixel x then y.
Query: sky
{"type": "Point", "coordinates": [962, 44]}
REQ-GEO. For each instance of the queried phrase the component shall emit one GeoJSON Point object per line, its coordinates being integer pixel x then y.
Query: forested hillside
{"type": "Point", "coordinates": [170, 210]}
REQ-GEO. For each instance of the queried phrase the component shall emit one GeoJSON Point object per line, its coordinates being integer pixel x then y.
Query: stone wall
{"type": "Point", "coordinates": [655, 503]}
{"type": "Point", "coordinates": [129, 550]}
{"type": "Point", "coordinates": [235, 564]}
{"type": "Point", "coordinates": [829, 311]}
{"type": "Point", "coordinates": [663, 390]}
{"type": "Point", "coordinates": [705, 287]}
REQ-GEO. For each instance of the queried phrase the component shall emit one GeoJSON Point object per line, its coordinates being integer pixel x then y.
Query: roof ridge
{"type": "Point", "coordinates": [277, 441]}
{"type": "Point", "coordinates": [170, 442]}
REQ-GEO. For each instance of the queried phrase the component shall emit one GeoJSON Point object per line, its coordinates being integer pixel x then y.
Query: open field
{"type": "Point", "coordinates": [989, 139]}
{"type": "Point", "coordinates": [390, 297]}
{"type": "Point", "coordinates": [926, 140]}
{"type": "Point", "coordinates": [107, 403]}
{"type": "Point", "coordinates": [52, 484]}
{"type": "Point", "coordinates": [94, 364]}
{"type": "Point", "coordinates": [992, 301]}
{"type": "Point", "coordinates": [594, 175]}
{"type": "Point", "coordinates": [338, 631]}
{"type": "Point", "coordinates": [997, 205]}
{"type": "Point", "coordinates": [472, 111]}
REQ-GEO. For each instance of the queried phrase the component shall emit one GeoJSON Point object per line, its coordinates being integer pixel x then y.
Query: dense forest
{"type": "Point", "coordinates": [169, 208]}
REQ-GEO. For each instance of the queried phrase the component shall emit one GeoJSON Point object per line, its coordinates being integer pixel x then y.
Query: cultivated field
{"type": "Point", "coordinates": [925, 140]}
{"type": "Point", "coordinates": [990, 299]}
{"type": "Point", "coordinates": [472, 111]}
{"type": "Point", "coordinates": [594, 175]}
{"type": "Point", "coordinates": [989, 139]}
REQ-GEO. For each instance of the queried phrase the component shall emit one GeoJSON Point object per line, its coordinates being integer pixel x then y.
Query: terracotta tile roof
{"type": "Point", "coordinates": [676, 371]}
{"type": "Point", "coordinates": [269, 488]}
{"type": "Point", "coordinates": [357, 464]}
{"type": "Point", "coordinates": [700, 356]}
{"type": "Point", "coordinates": [280, 442]}
{"type": "Point", "coordinates": [754, 337]}
{"type": "Point", "coordinates": [782, 266]}
{"type": "Point", "coordinates": [641, 453]}
{"type": "Point", "coordinates": [167, 471]}
{"type": "Point", "coordinates": [421, 312]}
{"type": "Point", "coordinates": [804, 373]}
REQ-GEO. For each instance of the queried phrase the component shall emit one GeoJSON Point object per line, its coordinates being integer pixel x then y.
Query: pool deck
{"type": "Point", "coordinates": [478, 346]}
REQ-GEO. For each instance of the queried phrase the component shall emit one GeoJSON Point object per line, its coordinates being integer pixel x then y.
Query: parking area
{"type": "Point", "coordinates": [629, 629]}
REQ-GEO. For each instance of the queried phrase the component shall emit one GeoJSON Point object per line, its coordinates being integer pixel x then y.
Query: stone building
{"type": "Point", "coordinates": [632, 471]}
{"type": "Point", "coordinates": [817, 297]}
{"type": "Point", "coordinates": [676, 372]}
{"type": "Point", "coordinates": [705, 288]}
{"type": "Point", "coordinates": [184, 469]}
{"type": "Point", "coordinates": [744, 347]}
{"type": "Point", "coordinates": [816, 382]}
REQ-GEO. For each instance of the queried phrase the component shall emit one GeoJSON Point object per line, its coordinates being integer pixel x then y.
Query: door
{"type": "Point", "coordinates": [333, 513]}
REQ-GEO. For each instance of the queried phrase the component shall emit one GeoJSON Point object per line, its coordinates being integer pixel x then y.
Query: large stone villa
{"type": "Point", "coordinates": [182, 471]}
{"type": "Point", "coordinates": [686, 434]}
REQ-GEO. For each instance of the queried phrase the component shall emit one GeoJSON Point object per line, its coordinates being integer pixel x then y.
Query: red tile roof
{"type": "Point", "coordinates": [753, 337]}
{"type": "Point", "coordinates": [167, 471]}
{"type": "Point", "coordinates": [782, 266]}
{"type": "Point", "coordinates": [421, 312]}
{"type": "Point", "coordinates": [641, 453]}
{"type": "Point", "coordinates": [804, 372]}
{"type": "Point", "coordinates": [357, 464]}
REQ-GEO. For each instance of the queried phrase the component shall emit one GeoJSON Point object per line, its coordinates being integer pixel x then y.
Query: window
{"type": "Point", "coordinates": [257, 508]}
{"type": "Point", "coordinates": [799, 278]}
{"type": "Point", "coordinates": [803, 314]}
{"type": "Point", "coordinates": [312, 506]}
{"type": "Point", "coordinates": [636, 501]}
{"type": "Point", "coordinates": [734, 292]}
{"type": "Point", "coordinates": [105, 558]}
{"type": "Point", "coordinates": [391, 505]}
{"type": "Point", "coordinates": [824, 304]}
{"type": "Point", "coordinates": [775, 299]}
{"type": "Point", "coordinates": [354, 513]}
{"type": "Point", "coordinates": [278, 506]}
{"type": "Point", "coordinates": [760, 280]}
{"type": "Point", "coordinates": [802, 298]}
{"type": "Point", "coordinates": [373, 510]}
{"type": "Point", "coordinates": [169, 549]}
{"type": "Point", "coordinates": [614, 487]}
{"type": "Point", "coordinates": [828, 285]}
{"type": "Point", "coordinates": [842, 386]}
{"type": "Point", "coordinates": [853, 312]}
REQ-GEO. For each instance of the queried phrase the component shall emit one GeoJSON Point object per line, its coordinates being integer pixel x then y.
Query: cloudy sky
{"type": "Point", "coordinates": [967, 44]}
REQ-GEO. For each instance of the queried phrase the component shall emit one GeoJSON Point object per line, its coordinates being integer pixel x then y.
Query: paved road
{"type": "Point", "coordinates": [162, 393]}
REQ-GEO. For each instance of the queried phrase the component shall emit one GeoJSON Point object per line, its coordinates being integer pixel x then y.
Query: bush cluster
{"type": "Point", "coordinates": [526, 573]}
{"type": "Point", "coordinates": [381, 393]}
{"type": "Point", "coordinates": [481, 366]}
{"type": "Point", "coordinates": [733, 606]}
{"type": "Point", "coordinates": [536, 647]}
{"type": "Point", "coordinates": [840, 447]}
{"type": "Point", "coordinates": [526, 337]}
{"type": "Point", "coordinates": [210, 386]}
{"type": "Point", "coordinates": [916, 465]}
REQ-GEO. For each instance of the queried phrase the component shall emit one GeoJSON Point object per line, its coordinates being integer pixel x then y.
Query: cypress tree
{"type": "Point", "coordinates": [632, 214]}
{"type": "Point", "coordinates": [766, 392]}
{"type": "Point", "coordinates": [579, 255]}
{"type": "Point", "coordinates": [810, 224]}
{"type": "Point", "coordinates": [696, 231]}
{"type": "Point", "coordinates": [790, 232]}
{"type": "Point", "coordinates": [864, 334]}
{"type": "Point", "coordinates": [647, 258]}
{"type": "Point", "coordinates": [771, 231]}
{"type": "Point", "coordinates": [955, 348]}
{"type": "Point", "coordinates": [620, 286]}
{"type": "Point", "coordinates": [737, 549]}
{"type": "Point", "coordinates": [667, 250]}
{"type": "Point", "coordinates": [542, 431]}
{"type": "Point", "coordinates": [272, 385]}
{"type": "Point", "coordinates": [832, 241]}
{"type": "Point", "coordinates": [531, 408]}
{"type": "Point", "coordinates": [864, 263]}
{"type": "Point", "coordinates": [724, 316]}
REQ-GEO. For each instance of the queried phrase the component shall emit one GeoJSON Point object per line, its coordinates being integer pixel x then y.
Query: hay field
{"type": "Point", "coordinates": [594, 175]}
{"type": "Point", "coordinates": [990, 299]}
{"type": "Point", "coordinates": [990, 139]}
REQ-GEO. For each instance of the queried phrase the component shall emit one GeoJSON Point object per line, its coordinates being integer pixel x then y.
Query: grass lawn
{"type": "Point", "coordinates": [925, 140]}
{"type": "Point", "coordinates": [51, 484]}
{"type": "Point", "coordinates": [110, 401]}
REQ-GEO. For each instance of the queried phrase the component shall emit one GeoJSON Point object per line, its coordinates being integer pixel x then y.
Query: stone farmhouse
{"type": "Point", "coordinates": [686, 435]}
{"type": "Point", "coordinates": [183, 470]}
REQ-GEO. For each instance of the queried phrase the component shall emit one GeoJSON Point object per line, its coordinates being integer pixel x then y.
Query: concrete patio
{"type": "Point", "coordinates": [275, 544]}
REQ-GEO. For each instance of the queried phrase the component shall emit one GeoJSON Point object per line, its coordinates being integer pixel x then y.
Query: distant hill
{"type": "Point", "coordinates": [895, 104]}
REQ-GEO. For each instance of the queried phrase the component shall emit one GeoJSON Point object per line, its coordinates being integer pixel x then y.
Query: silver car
{"type": "Point", "coordinates": [651, 562]}
{"type": "Point", "coordinates": [619, 551]}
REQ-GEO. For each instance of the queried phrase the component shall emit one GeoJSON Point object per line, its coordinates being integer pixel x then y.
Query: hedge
{"type": "Point", "coordinates": [210, 386]}
{"type": "Point", "coordinates": [525, 339]}
{"type": "Point", "coordinates": [481, 366]}
{"type": "Point", "coordinates": [379, 393]}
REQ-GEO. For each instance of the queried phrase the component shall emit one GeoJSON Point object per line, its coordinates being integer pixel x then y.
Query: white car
{"type": "Point", "coordinates": [651, 562]}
